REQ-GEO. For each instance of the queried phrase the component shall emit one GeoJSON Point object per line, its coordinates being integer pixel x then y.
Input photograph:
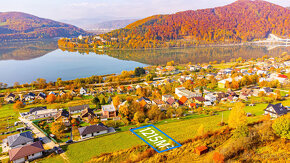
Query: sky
{"type": "Point", "coordinates": [120, 9]}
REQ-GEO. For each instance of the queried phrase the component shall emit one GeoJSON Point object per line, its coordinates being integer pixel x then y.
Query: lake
{"type": "Point", "coordinates": [26, 61]}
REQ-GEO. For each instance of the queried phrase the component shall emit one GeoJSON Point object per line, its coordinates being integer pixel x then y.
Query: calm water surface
{"type": "Point", "coordinates": [24, 62]}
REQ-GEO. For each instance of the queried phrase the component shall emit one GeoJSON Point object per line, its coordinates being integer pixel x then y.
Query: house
{"type": "Point", "coordinates": [182, 100]}
{"type": "Point", "coordinates": [28, 97]}
{"type": "Point", "coordinates": [47, 113]}
{"type": "Point", "coordinates": [147, 100]}
{"type": "Point", "coordinates": [87, 115]}
{"type": "Point", "coordinates": [32, 110]}
{"type": "Point", "coordinates": [201, 150]}
{"type": "Point", "coordinates": [159, 103]}
{"type": "Point", "coordinates": [83, 91]}
{"type": "Point", "coordinates": [266, 90]}
{"type": "Point", "coordinates": [73, 93]}
{"type": "Point", "coordinates": [220, 96]}
{"type": "Point", "coordinates": [166, 97]}
{"type": "Point", "coordinates": [62, 115]}
{"type": "Point", "coordinates": [51, 92]}
{"type": "Point", "coordinates": [207, 103]}
{"type": "Point", "coordinates": [62, 92]}
{"type": "Point", "coordinates": [108, 111]}
{"type": "Point", "coordinates": [247, 91]}
{"type": "Point", "coordinates": [199, 100]}
{"type": "Point", "coordinates": [93, 130]}
{"type": "Point", "coordinates": [10, 98]}
{"type": "Point", "coordinates": [181, 91]}
{"type": "Point", "coordinates": [77, 109]}
{"type": "Point", "coordinates": [276, 110]}
{"type": "Point", "coordinates": [172, 102]}
{"type": "Point", "coordinates": [210, 97]}
{"type": "Point", "coordinates": [26, 153]}
{"type": "Point", "coordinates": [20, 139]}
{"type": "Point", "coordinates": [41, 96]}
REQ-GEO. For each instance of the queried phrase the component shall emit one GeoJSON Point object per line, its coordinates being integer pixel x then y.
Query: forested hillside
{"type": "Point", "coordinates": [17, 25]}
{"type": "Point", "coordinates": [241, 21]}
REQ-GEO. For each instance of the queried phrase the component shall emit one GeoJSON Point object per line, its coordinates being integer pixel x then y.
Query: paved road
{"type": "Point", "coordinates": [48, 143]}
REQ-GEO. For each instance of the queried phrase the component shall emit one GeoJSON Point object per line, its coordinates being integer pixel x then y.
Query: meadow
{"type": "Point", "coordinates": [179, 130]}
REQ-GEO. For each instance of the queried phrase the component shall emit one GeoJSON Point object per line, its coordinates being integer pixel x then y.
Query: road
{"type": "Point", "coordinates": [48, 143]}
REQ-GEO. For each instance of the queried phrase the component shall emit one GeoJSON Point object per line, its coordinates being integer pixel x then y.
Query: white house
{"type": "Point", "coordinates": [93, 130]}
{"type": "Point", "coordinates": [210, 97]}
{"type": "Point", "coordinates": [43, 114]}
{"type": "Point", "coordinates": [26, 153]}
{"type": "Point", "coordinates": [181, 91]}
{"type": "Point", "coordinates": [83, 91]}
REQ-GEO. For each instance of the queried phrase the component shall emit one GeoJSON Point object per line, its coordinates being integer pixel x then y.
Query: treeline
{"type": "Point", "coordinates": [240, 21]}
{"type": "Point", "coordinates": [17, 25]}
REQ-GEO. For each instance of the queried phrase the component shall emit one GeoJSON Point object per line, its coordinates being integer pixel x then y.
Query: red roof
{"type": "Point", "coordinates": [282, 76]}
{"type": "Point", "coordinates": [192, 104]}
{"type": "Point", "coordinates": [201, 148]}
{"type": "Point", "coordinates": [170, 101]}
{"type": "Point", "coordinates": [182, 100]}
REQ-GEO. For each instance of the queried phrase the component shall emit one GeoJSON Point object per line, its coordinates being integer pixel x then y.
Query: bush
{"type": "Point", "coordinates": [281, 126]}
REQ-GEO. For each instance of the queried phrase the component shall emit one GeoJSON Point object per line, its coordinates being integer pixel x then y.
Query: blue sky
{"type": "Point", "coordinates": [78, 9]}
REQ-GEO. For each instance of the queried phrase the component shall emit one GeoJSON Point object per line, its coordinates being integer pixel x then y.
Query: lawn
{"type": "Point", "coordinates": [179, 130]}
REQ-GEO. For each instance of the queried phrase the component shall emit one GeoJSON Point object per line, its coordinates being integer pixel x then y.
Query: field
{"type": "Point", "coordinates": [179, 130]}
{"type": "Point", "coordinates": [154, 138]}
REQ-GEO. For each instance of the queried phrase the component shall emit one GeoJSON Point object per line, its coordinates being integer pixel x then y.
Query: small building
{"type": "Point", "coordinates": [83, 91]}
{"type": "Point", "coordinates": [41, 96]}
{"type": "Point", "coordinates": [47, 113]}
{"type": "Point", "coordinates": [10, 98]}
{"type": "Point", "coordinates": [181, 91]}
{"type": "Point", "coordinates": [77, 109]}
{"type": "Point", "coordinates": [166, 97]}
{"type": "Point", "coordinates": [93, 130]}
{"type": "Point", "coordinates": [32, 110]}
{"type": "Point", "coordinates": [147, 100]}
{"type": "Point", "coordinates": [276, 110]}
{"type": "Point", "coordinates": [201, 150]}
{"type": "Point", "coordinates": [108, 111]}
{"type": "Point", "coordinates": [28, 97]}
{"type": "Point", "coordinates": [20, 139]}
{"type": "Point", "coordinates": [87, 115]}
{"type": "Point", "coordinates": [159, 103]}
{"type": "Point", "coordinates": [172, 102]}
{"type": "Point", "coordinates": [182, 100]}
{"type": "Point", "coordinates": [63, 115]}
{"type": "Point", "coordinates": [26, 153]}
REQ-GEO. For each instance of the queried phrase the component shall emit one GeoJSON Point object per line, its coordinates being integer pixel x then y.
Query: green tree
{"type": "Point", "coordinates": [139, 71]}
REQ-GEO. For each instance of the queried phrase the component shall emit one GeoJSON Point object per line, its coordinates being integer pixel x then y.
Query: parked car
{"type": "Point", "coordinates": [57, 150]}
{"type": "Point", "coordinates": [69, 141]}
{"type": "Point", "coordinates": [41, 139]}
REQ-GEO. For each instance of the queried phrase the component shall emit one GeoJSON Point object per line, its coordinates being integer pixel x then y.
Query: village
{"type": "Point", "coordinates": [45, 120]}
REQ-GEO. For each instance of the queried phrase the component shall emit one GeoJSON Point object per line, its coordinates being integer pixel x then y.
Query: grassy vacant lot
{"type": "Point", "coordinates": [179, 130]}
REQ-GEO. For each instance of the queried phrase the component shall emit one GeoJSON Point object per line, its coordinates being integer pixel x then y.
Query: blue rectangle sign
{"type": "Point", "coordinates": [155, 138]}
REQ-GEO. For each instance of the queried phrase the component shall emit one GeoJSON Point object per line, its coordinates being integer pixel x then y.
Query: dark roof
{"type": "Point", "coordinates": [91, 129]}
{"type": "Point", "coordinates": [41, 94]}
{"type": "Point", "coordinates": [29, 94]}
{"type": "Point", "coordinates": [18, 139]}
{"type": "Point", "coordinates": [32, 110]}
{"type": "Point", "coordinates": [25, 151]}
{"type": "Point", "coordinates": [77, 108]}
{"type": "Point", "coordinates": [143, 98]}
{"type": "Point", "coordinates": [11, 95]}
{"type": "Point", "coordinates": [62, 113]}
{"type": "Point", "coordinates": [87, 112]}
{"type": "Point", "coordinates": [200, 99]}
{"type": "Point", "coordinates": [267, 89]}
{"type": "Point", "coordinates": [278, 108]}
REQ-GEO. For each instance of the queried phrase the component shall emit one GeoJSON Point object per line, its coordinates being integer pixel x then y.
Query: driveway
{"type": "Point", "coordinates": [48, 143]}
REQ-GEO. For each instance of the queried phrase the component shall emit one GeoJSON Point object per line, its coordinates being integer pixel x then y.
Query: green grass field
{"type": "Point", "coordinates": [155, 138]}
{"type": "Point", "coordinates": [179, 130]}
